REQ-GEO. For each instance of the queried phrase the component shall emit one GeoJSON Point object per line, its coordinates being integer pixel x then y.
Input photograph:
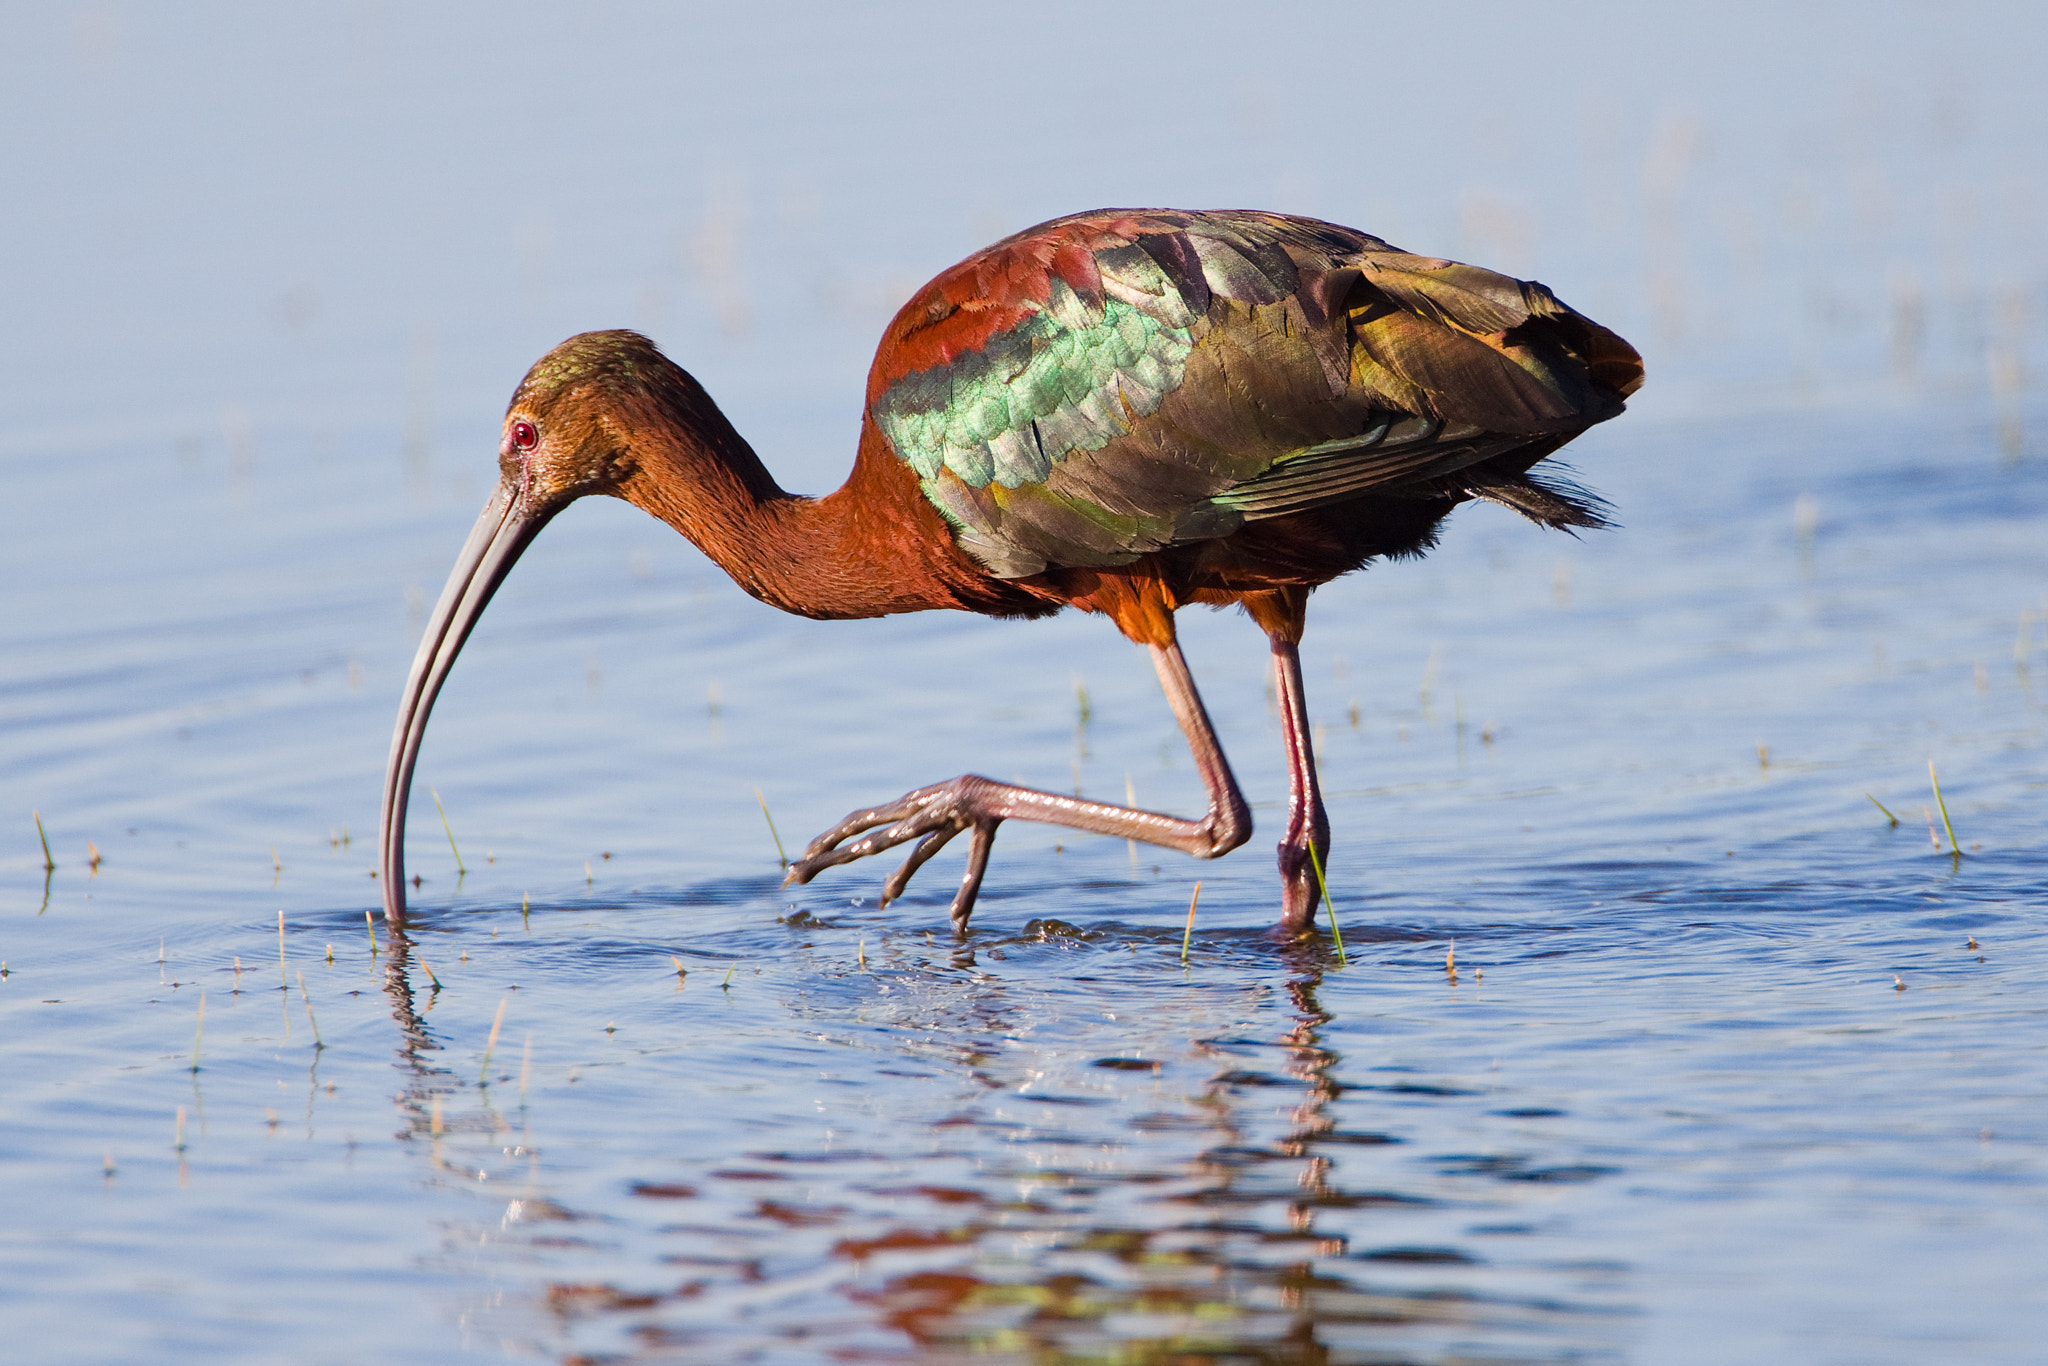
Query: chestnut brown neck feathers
{"type": "Point", "coordinates": [643, 429]}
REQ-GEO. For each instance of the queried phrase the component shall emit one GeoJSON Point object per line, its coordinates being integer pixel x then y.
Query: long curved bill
{"type": "Point", "coordinates": [504, 530]}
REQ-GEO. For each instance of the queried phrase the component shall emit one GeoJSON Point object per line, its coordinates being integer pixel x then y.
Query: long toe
{"type": "Point", "coordinates": [970, 881]}
{"type": "Point", "coordinates": [930, 814]}
{"type": "Point", "coordinates": [931, 844]}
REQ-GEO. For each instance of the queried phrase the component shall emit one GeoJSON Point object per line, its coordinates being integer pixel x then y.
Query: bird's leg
{"type": "Point", "coordinates": [933, 815]}
{"type": "Point", "coordinates": [1306, 823]}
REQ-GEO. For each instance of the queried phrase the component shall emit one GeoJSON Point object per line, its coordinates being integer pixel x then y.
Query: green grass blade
{"type": "Point", "coordinates": [1336, 931]}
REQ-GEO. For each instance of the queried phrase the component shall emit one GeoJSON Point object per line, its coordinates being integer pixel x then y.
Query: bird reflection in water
{"type": "Point", "coordinates": [1185, 1232]}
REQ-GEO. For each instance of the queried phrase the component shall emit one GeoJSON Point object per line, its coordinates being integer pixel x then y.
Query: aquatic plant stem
{"type": "Point", "coordinates": [318, 1045]}
{"type": "Point", "coordinates": [1315, 861]}
{"type": "Point", "coordinates": [198, 1030]}
{"type": "Point", "coordinates": [1887, 813]}
{"type": "Point", "coordinates": [484, 1075]}
{"type": "Point", "coordinates": [1187, 935]}
{"type": "Point", "coordinates": [460, 871]}
{"type": "Point", "coordinates": [1953, 847]}
{"type": "Point", "coordinates": [49, 864]}
{"type": "Point", "coordinates": [782, 857]}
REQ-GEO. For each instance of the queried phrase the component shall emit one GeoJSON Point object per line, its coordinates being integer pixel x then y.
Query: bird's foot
{"type": "Point", "coordinates": [932, 816]}
{"type": "Point", "coordinates": [1300, 887]}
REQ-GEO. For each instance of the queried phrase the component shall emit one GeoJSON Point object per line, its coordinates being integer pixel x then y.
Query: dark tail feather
{"type": "Point", "coordinates": [1551, 499]}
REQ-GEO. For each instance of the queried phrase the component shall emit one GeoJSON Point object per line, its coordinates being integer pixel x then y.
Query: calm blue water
{"type": "Point", "coordinates": [1719, 1076]}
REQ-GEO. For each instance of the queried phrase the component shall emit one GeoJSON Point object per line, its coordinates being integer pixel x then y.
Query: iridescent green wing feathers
{"type": "Point", "coordinates": [1115, 383]}
{"type": "Point", "coordinates": [1069, 377]}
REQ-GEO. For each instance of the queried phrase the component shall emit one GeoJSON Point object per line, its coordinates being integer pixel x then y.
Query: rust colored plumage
{"type": "Point", "coordinates": [1126, 411]}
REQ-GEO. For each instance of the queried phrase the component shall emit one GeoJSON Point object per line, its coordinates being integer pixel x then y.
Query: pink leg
{"type": "Point", "coordinates": [933, 815]}
{"type": "Point", "coordinates": [1305, 819]}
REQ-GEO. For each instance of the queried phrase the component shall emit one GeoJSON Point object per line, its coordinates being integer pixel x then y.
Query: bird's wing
{"type": "Point", "coordinates": [1110, 384]}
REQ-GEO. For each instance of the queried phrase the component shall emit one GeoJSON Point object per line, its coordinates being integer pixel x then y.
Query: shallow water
{"type": "Point", "coordinates": [1729, 1068]}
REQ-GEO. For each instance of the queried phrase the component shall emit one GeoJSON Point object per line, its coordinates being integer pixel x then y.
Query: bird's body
{"type": "Point", "coordinates": [1125, 411]}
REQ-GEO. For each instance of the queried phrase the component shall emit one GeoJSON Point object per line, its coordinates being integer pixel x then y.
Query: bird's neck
{"type": "Point", "coordinates": [870, 548]}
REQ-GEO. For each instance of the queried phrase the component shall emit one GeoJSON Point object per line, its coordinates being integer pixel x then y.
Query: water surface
{"type": "Point", "coordinates": [1730, 1067]}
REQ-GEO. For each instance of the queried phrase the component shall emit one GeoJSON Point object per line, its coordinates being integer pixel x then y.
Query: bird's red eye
{"type": "Point", "coordinates": [525, 436]}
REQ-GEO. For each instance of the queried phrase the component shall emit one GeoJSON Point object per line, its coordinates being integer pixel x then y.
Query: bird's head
{"type": "Point", "coordinates": [577, 425]}
{"type": "Point", "coordinates": [567, 429]}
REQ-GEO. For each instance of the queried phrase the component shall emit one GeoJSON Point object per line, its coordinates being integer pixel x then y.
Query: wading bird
{"type": "Point", "coordinates": [1125, 411]}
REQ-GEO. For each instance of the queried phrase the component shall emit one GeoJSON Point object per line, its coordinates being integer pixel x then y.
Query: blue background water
{"type": "Point", "coordinates": [269, 279]}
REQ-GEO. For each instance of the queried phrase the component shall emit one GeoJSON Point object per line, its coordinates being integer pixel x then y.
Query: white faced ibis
{"type": "Point", "coordinates": [1124, 411]}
